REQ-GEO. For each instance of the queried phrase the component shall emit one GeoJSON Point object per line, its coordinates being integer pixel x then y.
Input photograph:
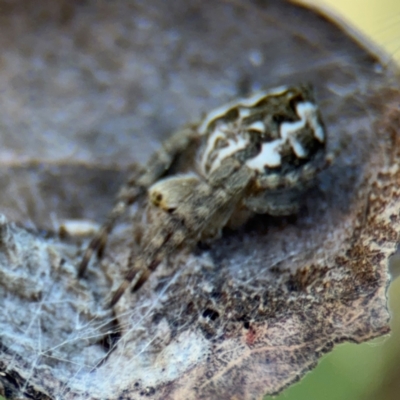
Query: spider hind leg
{"type": "Point", "coordinates": [136, 187]}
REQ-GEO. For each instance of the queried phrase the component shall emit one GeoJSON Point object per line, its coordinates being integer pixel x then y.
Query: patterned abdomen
{"type": "Point", "coordinates": [277, 133]}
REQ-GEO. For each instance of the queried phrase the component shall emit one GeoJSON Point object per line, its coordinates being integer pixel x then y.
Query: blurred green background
{"type": "Point", "coordinates": [370, 371]}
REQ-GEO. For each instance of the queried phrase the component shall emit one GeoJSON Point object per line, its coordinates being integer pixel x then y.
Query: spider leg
{"type": "Point", "coordinates": [127, 195]}
{"type": "Point", "coordinates": [185, 225]}
{"type": "Point", "coordinates": [136, 187]}
{"type": "Point", "coordinates": [168, 238]}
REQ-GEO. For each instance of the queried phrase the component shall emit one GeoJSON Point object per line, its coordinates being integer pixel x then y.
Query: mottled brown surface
{"type": "Point", "coordinates": [90, 87]}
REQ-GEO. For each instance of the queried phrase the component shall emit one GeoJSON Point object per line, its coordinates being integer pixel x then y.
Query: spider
{"type": "Point", "coordinates": [255, 155]}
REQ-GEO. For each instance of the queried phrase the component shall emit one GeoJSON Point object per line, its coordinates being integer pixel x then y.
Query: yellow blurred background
{"type": "Point", "coordinates": [377, 19]}
{"type": "Point", "coordinates": [370, 371]}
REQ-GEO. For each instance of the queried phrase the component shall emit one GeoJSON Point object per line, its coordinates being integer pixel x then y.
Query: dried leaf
{"type": "Point", "coordinates": [90, 87]}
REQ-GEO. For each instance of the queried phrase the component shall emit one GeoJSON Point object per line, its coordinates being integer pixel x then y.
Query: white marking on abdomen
{"type": "Point", "coordinates": [308, 114]}
{"type": "Point", "coordinates": [217, 134]}
{"type": "Point", "coordinates": [257, 126]}
{"type": "Point", "coordinates": [248, 102]}
{"type": "Point", "coordinates": [233, 147]}
{"type": "Point", "coordinates": [269, 156]}
{"type": "Point", "coordinates": [288, 131]}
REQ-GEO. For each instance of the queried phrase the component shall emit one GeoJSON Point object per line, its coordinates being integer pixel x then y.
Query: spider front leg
{"type": "Point", "coordinates": [196, 211]}
{"type": "Point", "coordinates": [136, 187]}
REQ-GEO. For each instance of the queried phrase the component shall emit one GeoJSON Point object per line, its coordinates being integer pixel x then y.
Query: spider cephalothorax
{"type": "Point", "coordinates": [254, 155]}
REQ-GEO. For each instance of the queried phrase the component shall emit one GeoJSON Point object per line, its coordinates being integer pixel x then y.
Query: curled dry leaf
{"type": "Point", "coordinates": [89, 88]}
